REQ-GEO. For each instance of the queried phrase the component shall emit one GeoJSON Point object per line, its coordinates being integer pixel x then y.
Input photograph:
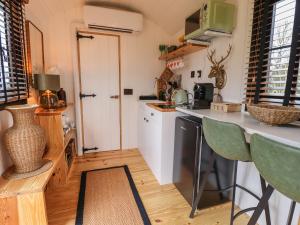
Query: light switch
{"type": "Point", "coordinates": [128, 91]}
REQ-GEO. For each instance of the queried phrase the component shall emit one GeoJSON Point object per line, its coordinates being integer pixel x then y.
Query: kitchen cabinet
{"type": "Point", "coordinates": [156, 141]}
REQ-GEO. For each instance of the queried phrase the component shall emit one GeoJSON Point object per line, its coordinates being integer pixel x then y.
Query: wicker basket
{"type": "Point", "coordinates": [273, 114]}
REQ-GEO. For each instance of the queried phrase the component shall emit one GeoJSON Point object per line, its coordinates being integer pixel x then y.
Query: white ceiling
{"type": "Point", "coordinates": [168, 14]}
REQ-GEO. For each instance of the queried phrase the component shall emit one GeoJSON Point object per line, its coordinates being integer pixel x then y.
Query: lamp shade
{"type": "Point", "coordinates": [44, 82]}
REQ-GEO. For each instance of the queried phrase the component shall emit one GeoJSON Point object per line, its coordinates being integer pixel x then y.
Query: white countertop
{"type": "Point", "coordinates": [288, 134]}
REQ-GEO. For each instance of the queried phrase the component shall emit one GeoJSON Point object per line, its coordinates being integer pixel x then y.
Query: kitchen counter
{"type": "Point", "coordinates": [287, 134]}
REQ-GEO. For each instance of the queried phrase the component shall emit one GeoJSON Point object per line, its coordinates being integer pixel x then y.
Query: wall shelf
{"type": "Point", "coordinates": [182, 51]}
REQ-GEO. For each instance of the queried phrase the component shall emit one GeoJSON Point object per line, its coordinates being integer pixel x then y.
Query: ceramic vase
{"type": "Point", "coordinates": [25, 141]}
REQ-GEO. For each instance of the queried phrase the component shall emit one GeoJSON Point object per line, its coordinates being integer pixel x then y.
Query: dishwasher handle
{"type": "Point", "coordinates": [197, 164]}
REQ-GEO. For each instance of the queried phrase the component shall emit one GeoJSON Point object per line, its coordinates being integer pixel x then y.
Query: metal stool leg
{"type": "Point", "coordinates": [218, 179]}
{"type": "Point", "coordinates": [261, 205]}
{"type": "Point", "coordinates": [267, 208]}
{"type": "Point", "coordinates": [203, 183]}
{"type": "Point", "coordinates": [235, 166]}
{"type": "Point", "coordinates": [291, 213]}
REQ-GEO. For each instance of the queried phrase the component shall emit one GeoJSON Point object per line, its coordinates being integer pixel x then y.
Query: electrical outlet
{"type": "Point", "coordinates": [199, 73]}
{"type": "Point", "coordinates": [192, 74]}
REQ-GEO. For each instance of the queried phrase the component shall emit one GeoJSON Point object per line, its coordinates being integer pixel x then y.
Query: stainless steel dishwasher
{"type": "Point", "coordinates": [190, 160]}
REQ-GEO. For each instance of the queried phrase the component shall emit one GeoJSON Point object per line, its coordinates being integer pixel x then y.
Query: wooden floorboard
{"type": "Point", "coordinates": [164, 204]}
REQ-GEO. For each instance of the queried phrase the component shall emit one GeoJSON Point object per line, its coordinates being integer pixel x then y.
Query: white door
{"type": "Point", "coordinates": [99, 77]}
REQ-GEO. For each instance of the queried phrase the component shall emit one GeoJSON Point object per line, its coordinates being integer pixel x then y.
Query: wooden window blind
{"type": "Point", "coordinates": [273, 67]}
{"type": "Point", "coordinates": [13, 79]}
{"type": "Point", "coordinates": [297, 101]}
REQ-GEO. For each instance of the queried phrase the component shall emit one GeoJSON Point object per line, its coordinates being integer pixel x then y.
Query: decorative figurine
{"type": "Point", "coordinates": [218, 72]}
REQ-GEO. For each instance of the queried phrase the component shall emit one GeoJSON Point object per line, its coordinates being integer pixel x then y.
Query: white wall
{"type": "Point", "coordinates": [234, 66]}
{"type": "Point", "coordinates": [55, 23]}
{"type": "Point", "coordinates": [5, 122]}
{"type": "Point", "coordinates": [140, 66]}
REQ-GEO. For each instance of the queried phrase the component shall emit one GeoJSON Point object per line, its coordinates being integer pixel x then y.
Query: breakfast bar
{"type": "Point", "coordinates": [247, 172]}
{"type": "Point", "coordinates": [287, 134]}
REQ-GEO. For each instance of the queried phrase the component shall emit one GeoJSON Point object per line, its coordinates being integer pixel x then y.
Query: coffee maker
{"type": "Point", "coordinates": [203, 96]}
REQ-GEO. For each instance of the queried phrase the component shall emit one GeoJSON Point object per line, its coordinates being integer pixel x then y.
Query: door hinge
{"type": "Point", "coordinates": [81, 96]}
{"type": "Point", "coordinates": [80, 36]}
{"type": "Point", "coordinates": [89, 149]}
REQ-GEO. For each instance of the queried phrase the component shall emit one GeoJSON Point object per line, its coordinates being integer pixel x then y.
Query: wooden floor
{"type": "Point", "coordinates": [164, 204]}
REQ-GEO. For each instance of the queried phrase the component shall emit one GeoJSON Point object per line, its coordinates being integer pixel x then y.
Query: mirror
{"type": "Point", "coordinates": [35, 51]}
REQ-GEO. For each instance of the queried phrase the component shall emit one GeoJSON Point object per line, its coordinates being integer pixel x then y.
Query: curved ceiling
{"type": "Point", "coordinates": [168, 14]}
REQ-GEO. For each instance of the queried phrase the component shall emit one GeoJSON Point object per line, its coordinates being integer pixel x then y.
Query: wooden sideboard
{"type": "Point", "coordinates": [22, 202]}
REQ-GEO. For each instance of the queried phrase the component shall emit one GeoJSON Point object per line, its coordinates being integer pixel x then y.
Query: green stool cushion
{"type": "Point", "coordinates": [279, 164]}
{"type": "Point", "coordinates": [226, 139]}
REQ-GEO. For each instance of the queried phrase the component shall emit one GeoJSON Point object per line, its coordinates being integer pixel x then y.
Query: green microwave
{"type": "Point", "coordinates": [214, 16]}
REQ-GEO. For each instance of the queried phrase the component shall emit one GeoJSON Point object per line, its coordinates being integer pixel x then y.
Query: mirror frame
{"type": "Point", "coordinates": [28, 25]}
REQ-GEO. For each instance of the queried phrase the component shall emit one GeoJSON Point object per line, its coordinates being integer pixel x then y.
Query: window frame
{"type": "Point", "coordinates": [256, 71]}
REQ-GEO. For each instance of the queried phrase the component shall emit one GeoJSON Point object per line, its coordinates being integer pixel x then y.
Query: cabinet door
{"type": "Point", "coordinates": [154, 115]}
{"type": "Point", "coordinates": [150, 139]}
{"type": "Point", "coordinates": [154, 148]}
{"type": "Point", "coordinates": [59, 176]}
{"type": "Point", "coordinates": [142, 132]}
{"type": "Point", "coordinates": [147, 142]}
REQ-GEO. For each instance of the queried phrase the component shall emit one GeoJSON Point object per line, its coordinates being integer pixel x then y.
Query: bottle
{"type": "Point", "coordinates": [62, 96]}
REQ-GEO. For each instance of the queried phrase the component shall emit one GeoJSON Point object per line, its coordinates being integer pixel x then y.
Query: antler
{"type": "Point", "coordinates": [224, 58]}
{"type": "Point", "coordinates": [210, 56]}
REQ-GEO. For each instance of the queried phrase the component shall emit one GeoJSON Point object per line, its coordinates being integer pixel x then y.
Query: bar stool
{"type": "Point", "coordinates": [228, 140]}
{"type": "Point", "coordinates": [279, 165]}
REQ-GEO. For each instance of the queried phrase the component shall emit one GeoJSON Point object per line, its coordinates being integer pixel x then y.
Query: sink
{"type": "Point", "coordinates": [165, 106]}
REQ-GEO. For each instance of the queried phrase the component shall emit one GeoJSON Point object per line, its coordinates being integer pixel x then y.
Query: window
{"type": "Point", "coordinates": [13, 80]}
{"type": "Point", "coordinates": [273, 71]}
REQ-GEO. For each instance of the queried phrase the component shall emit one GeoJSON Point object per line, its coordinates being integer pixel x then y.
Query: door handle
{"type": "Point", "coordinates": [114, 97]}
{"type": "Point", "coordinates": [81, 95]}
{"type": "Point", "coordinates": [89, 149]}
{"type": "Point", "coordinates": [197, 165]}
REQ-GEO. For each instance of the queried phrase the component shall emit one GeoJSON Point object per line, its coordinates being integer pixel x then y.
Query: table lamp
{"type": "Point", "coordinates": [48, 85]}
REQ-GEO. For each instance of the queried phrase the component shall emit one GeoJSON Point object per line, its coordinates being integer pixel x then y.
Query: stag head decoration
{"type": "Point", "coordinates": [217, 68]}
